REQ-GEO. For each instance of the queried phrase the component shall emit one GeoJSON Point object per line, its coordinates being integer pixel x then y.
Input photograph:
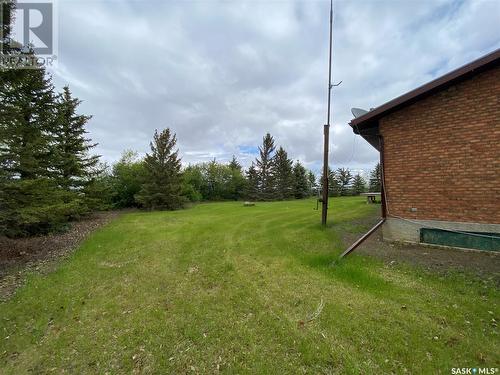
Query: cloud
{"type": "Point", "coordinates": [222, 74]}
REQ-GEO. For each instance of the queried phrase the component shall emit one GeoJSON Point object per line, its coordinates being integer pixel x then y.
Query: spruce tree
{"type": "Point", "coordinates": [334, 187]}
{"type": "Point", "coordinates": [322, 181]}
{"type": "Point", "coordinates": [163, 186]}
{"type": "Point", "coordinates": [26, 123]}
{"type": "Point", "coordinates": [358, 185]}
{"type": "Point", "coordinates": [237, 182]}
{"type": "Point", "coordinates": [283, 175]}
{"type": "Point", "coordinates": [252, 183]}
{"type": "Point", "coordinates": [375, 179]}
{"type": "Point", "coordinates": [301, 181]}
{"type": "Point", "coordinates": [35, 206]}
{"type": "Point", "coordinates": [30, 200]}
{"type": "Point", "coordinates": [235, 165]}
{"type": "Point", "coordinates": [344, 177]}
{"type": "Point", "coordinates": [265, 168]}
{"type": "Point", "coordinates": [313, 187]}
{"type": "Point", "coordinates": [6, 8]}
{"type": "Point", "coordinates": [75, 168]}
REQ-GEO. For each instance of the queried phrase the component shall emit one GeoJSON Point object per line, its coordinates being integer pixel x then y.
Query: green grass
{"type": "Point", "coordinates": [222, 287]}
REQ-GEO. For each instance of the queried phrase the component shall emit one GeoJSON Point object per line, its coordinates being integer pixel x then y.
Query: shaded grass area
{"type": "Point", "coordinates": [224, 288]}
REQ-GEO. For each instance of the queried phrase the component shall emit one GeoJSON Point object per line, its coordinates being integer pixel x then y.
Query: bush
{"type": "Point", "coordinates": [127, 178]}
{"type": "Point", "coordinates": [191, 193]}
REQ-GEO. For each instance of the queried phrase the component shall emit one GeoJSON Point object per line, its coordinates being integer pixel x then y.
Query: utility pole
{"type": "Point", "coordinates": [326, 129]}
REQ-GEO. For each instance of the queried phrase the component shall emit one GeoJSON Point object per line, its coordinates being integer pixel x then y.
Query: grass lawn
{"type": "Point", "coordinates": [222, 287]}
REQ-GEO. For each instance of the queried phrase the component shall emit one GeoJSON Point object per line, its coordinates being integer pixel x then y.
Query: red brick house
{"type": "Point", "coordinates": [440, 155]}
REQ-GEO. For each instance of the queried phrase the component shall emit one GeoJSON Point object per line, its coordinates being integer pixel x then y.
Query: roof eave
{"type": "Point", "coordinates": [369, 134]}
{"type": "Point", "coordinates": [368, 119]}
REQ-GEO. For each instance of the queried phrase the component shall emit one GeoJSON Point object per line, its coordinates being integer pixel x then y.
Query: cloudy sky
{"type": "Point", "coordinates": [223, 73]}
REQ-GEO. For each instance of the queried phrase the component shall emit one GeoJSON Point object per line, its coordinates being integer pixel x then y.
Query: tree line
{"type": "Point", "coordinates": [342, 182]}
{"type": "Point", "coordinates": [272, 176]}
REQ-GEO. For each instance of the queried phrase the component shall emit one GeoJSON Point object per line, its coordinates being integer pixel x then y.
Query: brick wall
{"type": "Point", "coordinates": [442, 154]}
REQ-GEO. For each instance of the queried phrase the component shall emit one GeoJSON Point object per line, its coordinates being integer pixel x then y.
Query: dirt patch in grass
{"type": "Point", "coordinates": [20, 256]}
{"type": "Point", "coordinates": [483, 264]}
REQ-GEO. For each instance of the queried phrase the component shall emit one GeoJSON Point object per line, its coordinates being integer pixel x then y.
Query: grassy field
{"type": "Point", "coordinates": [226, 288]}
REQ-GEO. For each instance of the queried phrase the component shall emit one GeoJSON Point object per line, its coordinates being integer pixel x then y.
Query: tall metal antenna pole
{"type": "Point", "coordinates": [326, 129]}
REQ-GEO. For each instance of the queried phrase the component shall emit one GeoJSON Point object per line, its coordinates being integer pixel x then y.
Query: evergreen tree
{"type": "Point", "coordinates": [75, 168]}
{"type": "Point", "coordinates": [265, 168]}
{"type": "Point", "coordinates": [163, 187]}
{"type": "Point", "coordinates": [235, 165]}
{"type": "Point", "coordinates": [32, 206]}
{"type": "Point", "coordinates": [237, 182]}
{"type": "Point", "coordinates": [313, 187]}
{"type": "Point", "coordinates": [301, 181]}
{"type": "Point", "coordinates": [30, 200]}
{"type": "Point", "coordinates": [6, 8]}
{"type": "Point", "coordinates": [26, 123]}
{"type": "Point", "coordinates": [358, 185]}
{"type": "Point", "coordinates": [252, 184]}
{"type": "Point", "coordinates": [344, 177]}
{"type": "Point", "coordinates": [322, 181]}
{"type": "Point", "coordinates": [283, 176]}
{"type": "Point", "coordinates": [375, 179]}
{"type": "Point", "coordinates": [334, 186]}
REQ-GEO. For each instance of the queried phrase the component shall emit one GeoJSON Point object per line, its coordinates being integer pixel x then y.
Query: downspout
{"type": "Point", "coordinates": [382, 177]}
{"type": "Point", "coordinates": [362, 239]}
{"type": "Point", "coordinates": [384, 208]}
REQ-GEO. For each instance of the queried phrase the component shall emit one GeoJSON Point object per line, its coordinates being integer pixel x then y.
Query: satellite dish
{"type": "Point", "coordinates": [357, 112]}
